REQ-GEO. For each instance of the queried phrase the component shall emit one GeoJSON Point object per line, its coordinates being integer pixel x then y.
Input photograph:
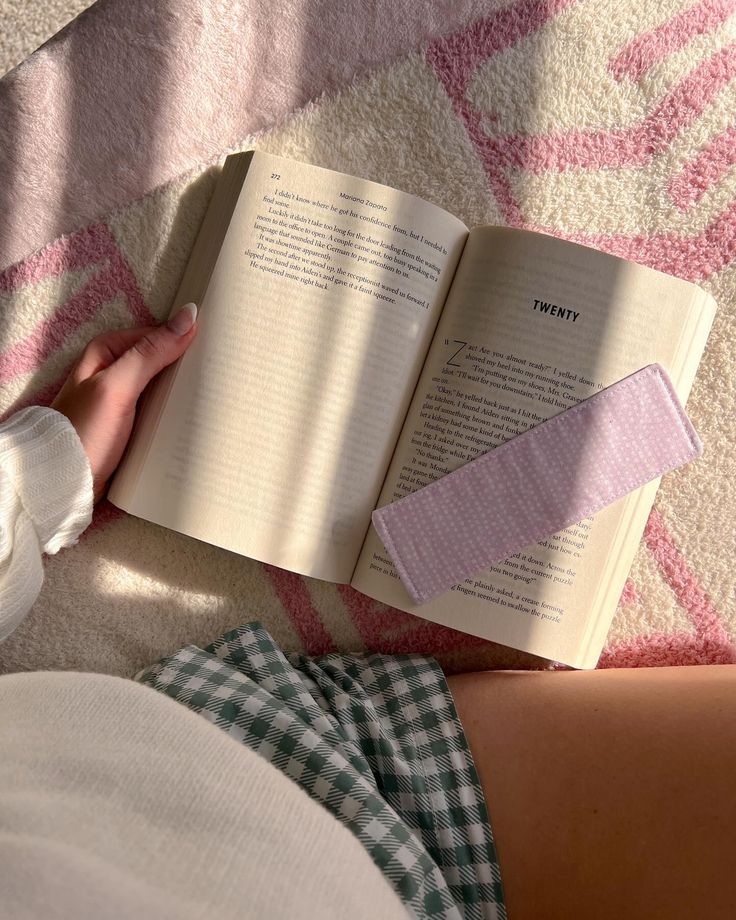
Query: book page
{"type": "Point", "coordinates": [532, 326]}
{"type": "Point", "coordinates": [273, 434]}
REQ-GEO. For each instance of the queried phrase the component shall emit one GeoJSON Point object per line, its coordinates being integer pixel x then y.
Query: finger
{"type": "Point", "coordinates": [152, 352]}
{"type": "Point", "coordinates": [106, 348]}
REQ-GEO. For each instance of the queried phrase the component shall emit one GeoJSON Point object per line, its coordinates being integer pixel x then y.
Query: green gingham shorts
{"type": "Point", "coordinates": [375, 739]}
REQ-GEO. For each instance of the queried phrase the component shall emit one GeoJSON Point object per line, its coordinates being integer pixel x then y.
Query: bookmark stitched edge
{"type": "Point", "coordinates": [380, 517]}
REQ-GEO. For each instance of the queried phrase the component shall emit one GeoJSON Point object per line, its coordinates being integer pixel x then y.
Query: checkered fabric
{"type": "Point", "coordinates": [375, 739]}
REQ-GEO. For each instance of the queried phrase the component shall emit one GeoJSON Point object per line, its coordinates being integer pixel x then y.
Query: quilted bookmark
{"type": "Point", "coordinates": [563, 470]}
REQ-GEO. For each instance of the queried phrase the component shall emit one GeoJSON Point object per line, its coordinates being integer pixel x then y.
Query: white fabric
{"type": "Point", "coordinates": [45, 503]}
{"type": "Point", "coordinates": [117, 802]}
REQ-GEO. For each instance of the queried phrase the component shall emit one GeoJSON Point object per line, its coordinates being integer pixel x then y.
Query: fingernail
{"type": "Point", "coordinates": [183, 320]}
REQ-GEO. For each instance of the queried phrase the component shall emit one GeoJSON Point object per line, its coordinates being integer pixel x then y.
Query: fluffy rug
{"type": "Point", "coordinates": [606, 121]}
{"type": "Point", "coordinates": [26, 24]}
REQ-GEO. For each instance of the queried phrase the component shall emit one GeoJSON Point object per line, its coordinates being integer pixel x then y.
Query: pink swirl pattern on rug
{"type": "Point", "coordinates": [652, 47]}
{"type": "Point", "coordinates": [704, 170]}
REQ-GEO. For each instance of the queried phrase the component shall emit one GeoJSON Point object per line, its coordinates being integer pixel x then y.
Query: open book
{"type": "Point", "coordinates": [355, 344]}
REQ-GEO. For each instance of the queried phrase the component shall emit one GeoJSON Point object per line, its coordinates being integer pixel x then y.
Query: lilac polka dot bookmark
{"type": "Point", "coordinates": [538, 483]}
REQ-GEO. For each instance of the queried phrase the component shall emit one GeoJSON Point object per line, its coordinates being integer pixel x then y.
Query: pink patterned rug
{"type": "Point", "coordinates": [606, 122]}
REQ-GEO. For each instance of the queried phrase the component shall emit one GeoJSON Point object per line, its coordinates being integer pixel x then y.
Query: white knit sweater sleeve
{"type": "Point", "coordinates": [45, 503]}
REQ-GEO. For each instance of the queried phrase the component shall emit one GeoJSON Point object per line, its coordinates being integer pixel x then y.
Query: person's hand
{"type": "Point", "coordinates": [100, 395]}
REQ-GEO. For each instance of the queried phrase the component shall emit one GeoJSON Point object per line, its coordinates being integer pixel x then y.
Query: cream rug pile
{"type": "Point", "coordinates": [605, 121]}
{"type": "Point", "coordinates": [27, 24]}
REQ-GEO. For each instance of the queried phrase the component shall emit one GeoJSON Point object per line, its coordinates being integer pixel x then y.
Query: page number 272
{"type": "Point", "coordinates": [275, 175]}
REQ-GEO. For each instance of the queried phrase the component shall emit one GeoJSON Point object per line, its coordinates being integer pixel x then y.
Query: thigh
{"type": "Point", "coordinates": [611, 793]}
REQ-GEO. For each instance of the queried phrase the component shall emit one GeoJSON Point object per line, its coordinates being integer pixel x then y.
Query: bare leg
{"type": "Point", "coordinates": [612, 794]}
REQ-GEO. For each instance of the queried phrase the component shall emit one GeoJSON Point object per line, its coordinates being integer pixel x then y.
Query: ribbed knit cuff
{"type": "Point", "coordinates": [43, 457]}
